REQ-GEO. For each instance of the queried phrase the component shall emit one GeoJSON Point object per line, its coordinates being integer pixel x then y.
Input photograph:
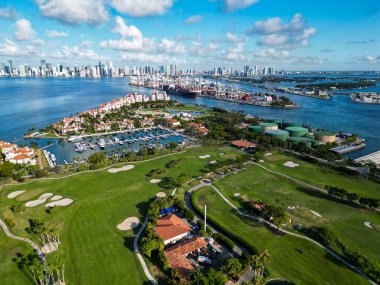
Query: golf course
{"type": "Point", "coordinates": [96, 234]}
{"type": "Point", "coordinates": [304, 205]}
{"type": "Point", "coordinates": [94, 250]}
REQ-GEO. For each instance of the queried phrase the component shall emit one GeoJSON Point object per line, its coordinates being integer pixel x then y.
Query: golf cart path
{"type": "Point", "coordinates": [284, 231]}
{"type": "Point", "coordinates": [139, 256]}
{"type": "Point", "coordinates": [30, 242]}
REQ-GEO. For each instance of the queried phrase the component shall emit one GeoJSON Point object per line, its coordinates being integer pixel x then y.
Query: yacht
{"type": "Point", "coordinates": [74, 138]}
{"type": "Point", "coordinates": [101, 143]}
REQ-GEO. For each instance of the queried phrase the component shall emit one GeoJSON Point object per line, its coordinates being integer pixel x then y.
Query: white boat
{"type": "Point", "coordinates": [52, 157]}
{"type": "Point", "coordinates": [74, 138]}
{"type": "Point", "coordinates": [101, 143]}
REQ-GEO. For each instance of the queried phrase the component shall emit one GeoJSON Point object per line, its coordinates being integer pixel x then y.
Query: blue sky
{"type": "Point", "coordinates": [286, 34]}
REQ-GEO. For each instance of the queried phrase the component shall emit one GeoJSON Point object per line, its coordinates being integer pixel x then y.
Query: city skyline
{"type": "Point", "coordinates": [230, 33]}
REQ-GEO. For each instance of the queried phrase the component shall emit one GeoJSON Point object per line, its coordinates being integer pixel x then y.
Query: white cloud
{"type": "Point", "coordinates": [130, 39]}
{"type": "Point", "coordinates": [272, 53]}
{"type": "Point", "coordinates": [171, 47]}
{"type": "Point", "coordinates": [74, 11]}
{"type": "Point", "coordinates": [235, 52]}
{"type": "Point", "coordinates": [194, 19]}
{"type": "Point", "coordinates": [9, 48]}
{"type": "Point", "coordinates": [143, 57]}
{"type": "Point", "coordinates": [232, 5]}
{"type": "Point", "coordinates": [78, 52]}
{"type": "Point", "coordinates": [38, 42]}
{"type": "Point", "coordinates": [142, 8]}
{"type": "Point", "coordinates": [24, 30]}
{"type": "Point", "coordinates": [234, 38]}
{"type": "Point", "coordinates": [273, 32]}
{"type": "Point", "coordinates": [57, 34]}
{"type": "Point", "coordinates": [7, 13]}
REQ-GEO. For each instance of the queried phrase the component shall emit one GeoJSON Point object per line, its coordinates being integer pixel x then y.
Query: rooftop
{"type": "Point", "coordinates": [170, 226]}
{"type": "Point", "coordinates": [242, 143]}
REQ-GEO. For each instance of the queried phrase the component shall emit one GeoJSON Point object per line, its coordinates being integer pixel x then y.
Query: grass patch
{"type": "Point", "coordinates": [95, 252]}
{"type": "Point", "coordinates": [256, 183]}
{"type": "Point", "coordinates": [313, 266]}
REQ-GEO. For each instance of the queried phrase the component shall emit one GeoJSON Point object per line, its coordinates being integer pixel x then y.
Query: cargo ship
{"type": "Point", "coordinates": [181, 91]}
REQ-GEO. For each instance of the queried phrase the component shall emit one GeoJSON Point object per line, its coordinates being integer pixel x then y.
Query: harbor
{"type": "Point", "coordinates": [78, 148]}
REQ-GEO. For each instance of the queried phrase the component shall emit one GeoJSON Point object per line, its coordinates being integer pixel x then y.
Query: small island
{"type": "Point", "coordinates": [337, 85]}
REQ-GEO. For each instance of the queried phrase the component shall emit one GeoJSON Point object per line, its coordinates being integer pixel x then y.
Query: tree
{"type": "Point", "coordinates": [197, 278]}
{"type": "Point", "coordinates": [352, 196]}
{"type": "Point", "coordinates": [216, 277]}
{"type": "Point", "coordinates": [232, 266]}
{"type": "Point", "coordinates": [97, 160]}
{"type": "Point", "coordinates": [274, 214]}
{"type": "Point", "coordinates": [173, 145]}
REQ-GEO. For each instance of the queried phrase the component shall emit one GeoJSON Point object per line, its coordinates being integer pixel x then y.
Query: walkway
{"type": "Point", "coordinates": [139, 256]}
{"type": "Point", "coordinates": [285, 231]}
{"type": "Point", "coordinates": [31, 243]}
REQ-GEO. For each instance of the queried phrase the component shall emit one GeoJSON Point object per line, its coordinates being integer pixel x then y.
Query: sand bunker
{"type": "Point", "coordinates": [49, 247]}
{"type": "Point", "coordinates": [213, 162]}
{"type": "Point", "coordinates": [261, 160]}
{"type": "Point", "coordinates": [63, 203]}
{"type": "Point", "coordinates": [268, 154]}
{"type": "Point", "coordinates": [42, 199]}
{"type": "Point", "coordinates": [368, 225]}
{"type": "Point", "coordinates": [204, 156]}
{"type": "Point", "coordinates": [155, 181]}
{"type": "Point", "coordinates": [56, 197]}
{"type": "Point", "coordinates": [124, 168]}
{"type": "Point", "coordinates": [316, 213]}
{"type": "Point", "coordinates": [161, 195]}
{"type": "Point", "coordinates": [128, 224]}
{"type": "Point", "coordinates": [222, 153]}
{"type": "Point", "coordinates": [291, 164]}
{"type": "Point", "coordinates": [15, 194]}
{"type": "Point", "coordinates": [237, 194]}
{"type": "Point", "coordinates": [291, 207]}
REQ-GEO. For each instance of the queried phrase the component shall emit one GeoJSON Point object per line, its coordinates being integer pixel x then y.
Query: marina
{"type": "Point", "coordinates": [65, 151]}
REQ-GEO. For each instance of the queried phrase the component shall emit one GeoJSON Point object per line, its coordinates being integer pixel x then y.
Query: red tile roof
{"type": "Point", "coordinates": [244, 144]}
{"type": "Point", "coordinates": [176, 254]}
{"type": "Point", "coordinates": [170, 226]}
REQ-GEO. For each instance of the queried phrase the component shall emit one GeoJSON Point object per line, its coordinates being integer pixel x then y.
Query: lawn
{"type": "Point", "coordinates": [321, 175]}
{"type": "Point", "coordinates": [313, 266]}
{"type": "Point", "coordinates": [256, 183]}
{"type": "Point", "coordinates": [9, 272]}
{"type": "Point", "coordinates": [95, 251]}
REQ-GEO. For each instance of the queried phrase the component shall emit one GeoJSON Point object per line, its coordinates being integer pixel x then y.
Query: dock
{"type": "Point", "coordinates": [373, 157]}
{"type": "Point", "coordinates": [348, 147]}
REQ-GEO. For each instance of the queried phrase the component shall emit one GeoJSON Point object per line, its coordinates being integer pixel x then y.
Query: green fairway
{"type": "Point", "coordinates": [95, 251]}
{"type": "Point", "coordinates": [321, 175]}
{"type": "Point", "coordinates": [256, 183]}
{"type": "Point", "coordinates": [9, 272]}
{"type": "Point", "coordinates": [313, 266]}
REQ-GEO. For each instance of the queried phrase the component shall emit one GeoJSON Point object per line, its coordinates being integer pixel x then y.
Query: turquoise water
{"type": "Point", "coordinates": [37, 102]}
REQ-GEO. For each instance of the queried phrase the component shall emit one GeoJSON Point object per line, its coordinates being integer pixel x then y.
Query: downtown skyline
{"type": "Point", "coordinates": [231, 33]}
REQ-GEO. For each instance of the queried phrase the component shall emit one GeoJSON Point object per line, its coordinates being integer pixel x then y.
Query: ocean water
{"type": "Point", "coordinates": [38, 102]}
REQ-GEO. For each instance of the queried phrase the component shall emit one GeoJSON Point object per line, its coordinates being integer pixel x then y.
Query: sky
{"type": "Point", "coordinates": [201, 34]}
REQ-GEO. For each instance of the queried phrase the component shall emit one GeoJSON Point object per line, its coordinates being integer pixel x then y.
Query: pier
{"type": "Point", "coordinates": [373, 157]}
{"type": "Point", "coordinates": [348, 147]}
